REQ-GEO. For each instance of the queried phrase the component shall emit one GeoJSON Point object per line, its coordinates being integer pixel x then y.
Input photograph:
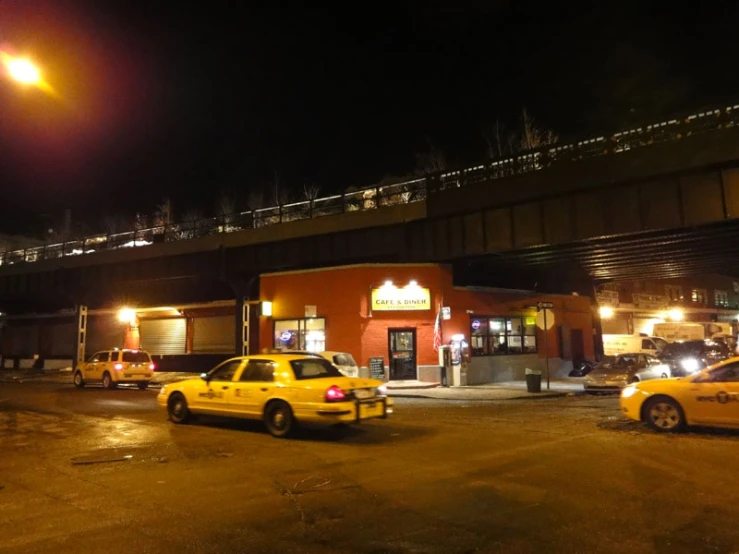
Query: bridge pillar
{"type": "Point", "coordinates": [81, 338]}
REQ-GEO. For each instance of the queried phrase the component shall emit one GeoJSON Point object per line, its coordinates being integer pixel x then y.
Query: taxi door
{"type": "Point", "coordinates": [253, 388]}
{"type": "Point", "coordinates": [212, 395]}
{"type": "Point", "coordinates": [714, 397]}
{"type": "Point", "coordinates": [93, 368]}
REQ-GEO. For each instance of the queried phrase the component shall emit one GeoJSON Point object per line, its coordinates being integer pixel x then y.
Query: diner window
{"type": "Point", "coordinates": [491, 336]}
{"type": "Point", "coordinates": [698, 296]}
{"type": "Point", "coordinates": [722, 298]}
{"type": "Point", "coordinates": [300, 334]}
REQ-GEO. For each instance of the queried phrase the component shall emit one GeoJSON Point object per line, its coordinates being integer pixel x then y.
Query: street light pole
{"type": "Point", "coordinates": [544, 306]}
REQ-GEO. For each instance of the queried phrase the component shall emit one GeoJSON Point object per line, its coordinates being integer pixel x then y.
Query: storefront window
{"type": "Point", "coordinates": [301, 334]}
{"type": "Point", "coordinates": [490, 336]}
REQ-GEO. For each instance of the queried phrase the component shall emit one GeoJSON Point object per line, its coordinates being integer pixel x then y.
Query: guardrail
{"type": "Point", "coordinates": [400, 193]}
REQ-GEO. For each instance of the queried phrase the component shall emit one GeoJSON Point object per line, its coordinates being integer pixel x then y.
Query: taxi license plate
{"type": "Point", "coordinates": [364, 393]}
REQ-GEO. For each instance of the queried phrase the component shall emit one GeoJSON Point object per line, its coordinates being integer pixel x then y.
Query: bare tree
{"type": "Point", "coordinates": [110, 224]}
{"type": "Point", "coordinates": [225, 206]}
{"type": "Point", "coordinates": [430, 161]}
{"type": "Point", "coordinates": [188, 225]}
{"type": "Point", "coordinates": [311, 191]}
{"type": "Point", "coordinates": [164, 215]}
{"type": "Point", "coordinates": [280, 191]}
{"type": "Point", "coordinates": [255, 200]}
{"type": "Point", "coordinates": [533, 137]}
{"type": "Point", "coordinates": [499, 145]}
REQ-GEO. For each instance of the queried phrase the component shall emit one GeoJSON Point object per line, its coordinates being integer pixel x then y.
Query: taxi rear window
{"type": "Point", "coordinates": [135, 357]}
{"type": "Point", "coordinates": [314, 368]}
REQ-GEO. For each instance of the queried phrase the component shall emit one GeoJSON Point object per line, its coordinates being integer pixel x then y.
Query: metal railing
{"type": "Point", "coordinates": [400, 193]}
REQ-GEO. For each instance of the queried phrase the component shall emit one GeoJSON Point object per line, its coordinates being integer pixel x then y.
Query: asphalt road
{"type": "Point", "coordinates": [86, 471]}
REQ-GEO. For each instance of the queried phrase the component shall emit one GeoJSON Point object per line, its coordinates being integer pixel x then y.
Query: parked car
{"type": "Point", "coordinates": [342, 360]}
{"type": "Point", "coordinates": [281, 390]}
{"type": "Point", "coordinates": [709, 397]}
{"type": "Point", "coordinates": [616, 372]}
{"type": "Point", "coordinates": [113, 367]}
{"type": "Point", "coordinates": [686, 358]}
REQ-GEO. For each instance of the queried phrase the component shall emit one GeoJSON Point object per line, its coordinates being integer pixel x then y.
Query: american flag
{"type": "Point", "coordinates": [437, 331]}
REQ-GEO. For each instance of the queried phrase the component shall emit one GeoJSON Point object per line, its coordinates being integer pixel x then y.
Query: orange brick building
{"type": "Point", "coordinates": [390, 310]}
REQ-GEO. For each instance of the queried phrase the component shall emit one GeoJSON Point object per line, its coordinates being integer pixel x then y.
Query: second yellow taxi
{"type": "Point", "coordinates": [280, 389]}
{"type": "Point", "coordinates": [709, 397]}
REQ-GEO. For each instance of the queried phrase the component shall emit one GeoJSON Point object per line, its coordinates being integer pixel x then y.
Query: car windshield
{"type": "Point", "coordinates": [314, 368]}
{"type": "Point", "coordinates": [675, 349]}
{"type": "Point", "coordinates": [345, 359]}
{"type": "Point", "coordinates": [611, 362]}
{"type": "Point", "coordinates": [135, 357]}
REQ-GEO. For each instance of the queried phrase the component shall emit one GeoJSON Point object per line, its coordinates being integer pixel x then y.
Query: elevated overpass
{"type": "Point", "coordinates": [658, 201]}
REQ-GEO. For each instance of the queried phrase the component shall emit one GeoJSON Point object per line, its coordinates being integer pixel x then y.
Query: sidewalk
{"type": "Point", "coordinates": [511, 390]}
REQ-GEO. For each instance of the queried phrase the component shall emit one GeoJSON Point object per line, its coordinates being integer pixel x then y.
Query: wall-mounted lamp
{"type": "Point", "coordinates": [606, 312]}
{"type": "Point", "coordinates": [266, 308]}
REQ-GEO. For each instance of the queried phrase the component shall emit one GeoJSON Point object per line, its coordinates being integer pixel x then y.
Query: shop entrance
{"type": "Point", "coordinates": [402, 346]}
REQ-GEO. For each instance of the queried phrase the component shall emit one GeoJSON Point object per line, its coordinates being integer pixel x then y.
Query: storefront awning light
{"type": "Point", "coordinates": [413, 283]}
{"type": "Point", "coordinates": [388, 283]}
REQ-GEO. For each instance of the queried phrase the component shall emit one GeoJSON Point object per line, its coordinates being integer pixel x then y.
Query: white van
{"type": "Point", "coordinates": [678, 332]}
{"type": "Point", "coordinates": [632, 344]}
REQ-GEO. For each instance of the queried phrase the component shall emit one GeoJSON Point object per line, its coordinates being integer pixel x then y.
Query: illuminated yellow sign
{"type": "Point", "coordinates": [390, 298]}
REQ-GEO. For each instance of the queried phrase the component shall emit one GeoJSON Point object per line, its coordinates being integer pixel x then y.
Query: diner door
{"type": "Point", "coordinates": [402, 345]}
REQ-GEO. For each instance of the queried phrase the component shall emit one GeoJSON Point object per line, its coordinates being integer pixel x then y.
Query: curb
{"type": "Point", "coordinates": [488, 399]}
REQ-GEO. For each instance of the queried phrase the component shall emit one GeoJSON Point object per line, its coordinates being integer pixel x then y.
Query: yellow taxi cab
{"type": "Point", "coordinates": [281, 389]}
{"type": "Point", "coordinates": [709, 397]}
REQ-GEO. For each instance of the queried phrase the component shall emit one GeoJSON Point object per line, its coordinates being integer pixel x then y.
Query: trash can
{"type": "Point", "coordinates": [533, 380]}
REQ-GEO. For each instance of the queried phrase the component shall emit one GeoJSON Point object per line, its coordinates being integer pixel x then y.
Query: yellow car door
{"type": "Point", "coordinates": [212, 395]}
{"type": "Point", "coordinates": [714, 397]}
{"type": "Point", "coordinates": [93, 370]}
{"type": "Point", "coordinates": [254, 387]}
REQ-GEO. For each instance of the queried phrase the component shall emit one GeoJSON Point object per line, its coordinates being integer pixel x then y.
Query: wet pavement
{"type": "Point", "coordinates": [93, 470]}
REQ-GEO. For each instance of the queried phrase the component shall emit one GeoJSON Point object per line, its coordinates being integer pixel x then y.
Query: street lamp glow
{"type": "Point", "coordinates": [676, 315]}
{"type": "Point", "coordinates": [23, 71]}
{"type": "Point", "coordinates": [606, 312]}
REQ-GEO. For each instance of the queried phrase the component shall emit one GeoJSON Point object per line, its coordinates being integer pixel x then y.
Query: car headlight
{"type": "Point", "coordinates": [163, 390]}
{"type": "Point", "coordinates": [690, 364]}
{"type": "Point", "coordinates": [629, 391]}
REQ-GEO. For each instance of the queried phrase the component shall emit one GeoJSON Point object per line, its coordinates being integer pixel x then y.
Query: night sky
{"type": "Point", "coordinates": [187, 99]}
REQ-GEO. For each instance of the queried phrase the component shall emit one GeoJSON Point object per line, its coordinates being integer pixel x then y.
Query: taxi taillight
{"type": "Point", "coordinates": [335, 394]}
{"type": "Point", "coordinates": [152, 367]}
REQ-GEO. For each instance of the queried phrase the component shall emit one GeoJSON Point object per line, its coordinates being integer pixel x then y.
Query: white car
{"type": "Point", "coordinates": [111, 367]}
{"type": "Point", "coordinates": [342, 360]}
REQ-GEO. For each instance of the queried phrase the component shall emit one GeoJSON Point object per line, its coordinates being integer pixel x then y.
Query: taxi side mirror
{"type": "Point", "coordinates": [204, 377]}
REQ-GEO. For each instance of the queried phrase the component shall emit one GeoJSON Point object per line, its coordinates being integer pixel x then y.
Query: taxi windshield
{"type": "Point", "coordinates": [314, 368]}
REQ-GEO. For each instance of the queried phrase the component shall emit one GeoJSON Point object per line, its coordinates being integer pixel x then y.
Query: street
{"type": "Point", "coordinates": [95, 470]}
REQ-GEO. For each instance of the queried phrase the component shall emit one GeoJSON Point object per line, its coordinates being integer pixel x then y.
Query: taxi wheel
{"type": "Point", "coordinates": [108, 382]}
{"type": "Point", "coordinates": [79, 382]}
{"type": "Point", "coordinates": [143, 385]}
{"type": "Point", "coordinates": [177, 409]}
{"type": "Point", "coordinates": [664, 414]}
{"type": "Point", "coordinates": [278, 418]}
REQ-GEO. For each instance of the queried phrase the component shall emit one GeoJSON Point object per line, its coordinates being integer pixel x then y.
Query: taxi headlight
{"type": "Point", "coordinates": [690, 364]}
{"type": "Point", "coordinates": [163, 390]}
{"type": "Point", "coordinates": [629, 391]}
